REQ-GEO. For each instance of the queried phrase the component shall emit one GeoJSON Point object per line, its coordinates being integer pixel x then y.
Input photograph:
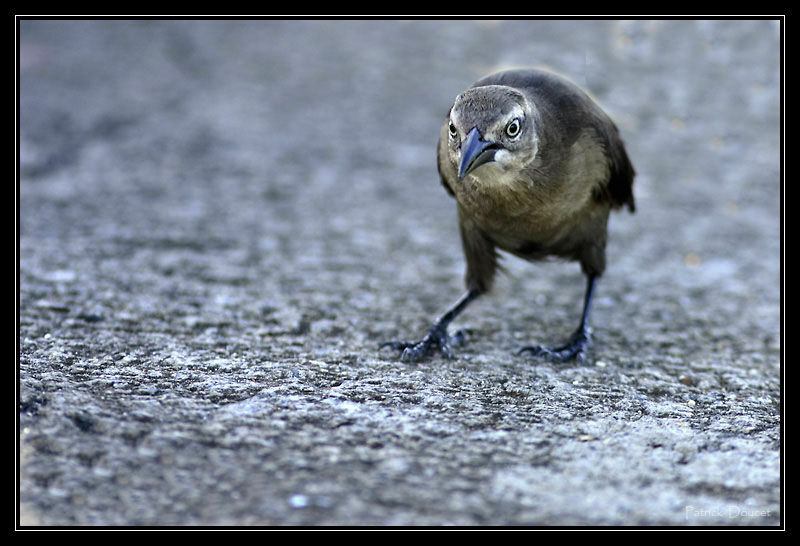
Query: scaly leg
{"type": "Point", "coordinates": [437, 336]}
{"type": "Point", "coordinates": [578, 341]}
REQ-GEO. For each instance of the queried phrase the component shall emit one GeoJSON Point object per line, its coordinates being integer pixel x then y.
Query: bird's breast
{"type": "Point", "coordinates": [493, 193]}
{"type": "Point", "coordinates": [501, 201]}
{"type": "Point", "coordinates": [518, 214]}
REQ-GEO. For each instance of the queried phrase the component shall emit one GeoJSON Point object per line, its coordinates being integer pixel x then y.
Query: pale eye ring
{"type": "Point", "coordinates": [513, 128]}
{"type": "Point", "coordinates": [452, 130]}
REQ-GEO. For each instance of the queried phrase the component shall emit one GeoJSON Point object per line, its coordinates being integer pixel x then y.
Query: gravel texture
{"type": "Point", "coordinates": [219, 221]}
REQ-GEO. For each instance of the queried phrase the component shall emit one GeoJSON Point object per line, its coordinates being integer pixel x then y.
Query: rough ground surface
{"type": "Point", "coordinates": [220, 221]}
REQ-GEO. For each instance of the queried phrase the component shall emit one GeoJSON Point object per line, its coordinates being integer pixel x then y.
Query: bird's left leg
{"type": "Point", "coordinates": [578, 342]}
{"type": "Point", "coordinates": [437, 336]}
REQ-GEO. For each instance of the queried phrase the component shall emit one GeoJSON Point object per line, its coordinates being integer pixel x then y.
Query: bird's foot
{"type": "Point", "coordinates": [437, 337]}
{"type": "Point", "coordinates": [575, 348]}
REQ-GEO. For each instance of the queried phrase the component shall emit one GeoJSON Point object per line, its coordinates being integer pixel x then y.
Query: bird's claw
{"type": "Point", "coordinates": [437, 337]}
{"type": "Point", "coordinates": [575, 348]}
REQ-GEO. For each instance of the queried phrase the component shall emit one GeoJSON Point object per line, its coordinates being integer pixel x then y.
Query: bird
{"type": "Point", "coordinates": [535, 166]}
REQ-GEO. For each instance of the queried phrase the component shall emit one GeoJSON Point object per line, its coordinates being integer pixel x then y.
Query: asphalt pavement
{"type": "Point", "coordinates": [219, 222]}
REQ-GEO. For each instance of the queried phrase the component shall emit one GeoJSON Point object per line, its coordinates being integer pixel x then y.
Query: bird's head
{"type": "Point", "coordinates": [492, 124]}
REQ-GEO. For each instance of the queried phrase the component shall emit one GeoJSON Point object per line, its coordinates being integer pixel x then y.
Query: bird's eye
{"type": "Point", "coordinates": [513, 128]}
{"type": "Point", "coordinates": [452, 129]}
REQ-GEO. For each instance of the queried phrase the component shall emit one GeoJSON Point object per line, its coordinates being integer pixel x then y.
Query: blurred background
{"type": "Point", "coordinates": [205, 207]}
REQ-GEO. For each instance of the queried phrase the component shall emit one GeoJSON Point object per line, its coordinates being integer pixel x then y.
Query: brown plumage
{"type": "Point", "coordinates": [535, 167]}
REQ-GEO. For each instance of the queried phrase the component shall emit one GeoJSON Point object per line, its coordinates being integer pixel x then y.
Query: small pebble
{"type": "Point", "coordinates": [298, 501]}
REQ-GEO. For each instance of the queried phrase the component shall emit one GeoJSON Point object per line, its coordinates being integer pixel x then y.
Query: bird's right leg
{"type": "Point", "coordinates": [437, 336]}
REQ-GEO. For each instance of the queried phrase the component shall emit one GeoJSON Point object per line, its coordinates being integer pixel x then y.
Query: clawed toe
{"type": "Point", "coordinates": [413, 351]}
{"type": "Point", "coordinates": [396, 345]}
{"type": "Point", "coordinates": [575, 348]}
{"type": "Point", "coordinates": [556, 354]}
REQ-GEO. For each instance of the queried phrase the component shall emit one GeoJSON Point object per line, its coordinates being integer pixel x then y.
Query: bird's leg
{"type": "Point", "coordinates": [437, 336]}
{"type": "Point", "coordinates": [578, 341]}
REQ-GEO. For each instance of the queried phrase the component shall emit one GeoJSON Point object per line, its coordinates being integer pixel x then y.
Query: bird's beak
{"type": "Point", "coordinates": [475, 152]}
